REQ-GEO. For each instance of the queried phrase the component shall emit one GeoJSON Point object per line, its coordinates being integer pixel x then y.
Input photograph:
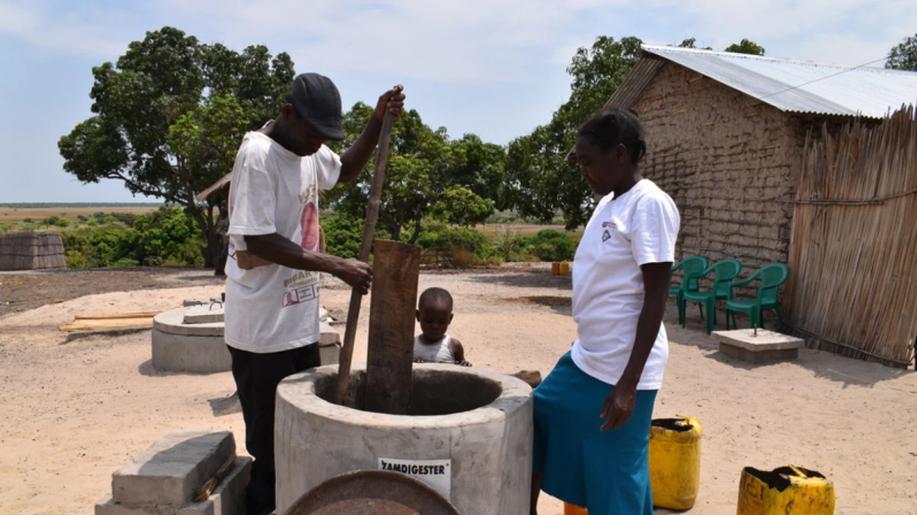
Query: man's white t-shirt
{"type": "Point", "coordinates": [273, 308]}
{"type": "Point", "coordinates": [637, 228]}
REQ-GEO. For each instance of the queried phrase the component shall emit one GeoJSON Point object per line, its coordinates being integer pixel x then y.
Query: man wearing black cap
{"type": "Point", "coordinates": [272, 274]}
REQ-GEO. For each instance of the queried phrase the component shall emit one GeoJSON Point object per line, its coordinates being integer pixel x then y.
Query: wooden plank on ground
{"type": "Point", "coordinates": [109, 324]}
{"type": "Point", "coordinates": [103, 316]}
{"type": "Point", "coordinates": [391, 327]}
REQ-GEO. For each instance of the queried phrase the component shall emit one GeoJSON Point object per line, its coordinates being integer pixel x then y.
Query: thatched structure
{"type": "Point", "coordinates": [31, 251]}
{"type": "Point", "coordinates": [854, 240]}
{"type": "Point", "coordinates": [776, 160]}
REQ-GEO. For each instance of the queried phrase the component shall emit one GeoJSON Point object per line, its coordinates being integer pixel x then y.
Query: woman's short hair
{"type": "Point", "coordinates": [616, 126]}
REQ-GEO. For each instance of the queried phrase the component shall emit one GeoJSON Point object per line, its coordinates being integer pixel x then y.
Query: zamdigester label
{"type": "Point", "coordinates": [437, 474]}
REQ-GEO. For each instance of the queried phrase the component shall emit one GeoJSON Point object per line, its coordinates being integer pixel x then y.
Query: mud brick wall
{"type": "Point", "coordinates": [725, 158]}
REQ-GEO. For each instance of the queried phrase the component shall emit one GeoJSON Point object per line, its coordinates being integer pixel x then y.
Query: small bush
{"type": "Point", "coordinates": [55, 221]}
{"type": "Point", "coordinates": [343, 234]}
{"type": "Point", "coordinates": [513, 247]}
{"type": "Point", "coordinates": [551, 245]}
{"type": "Point", "coordinates": [164, 237]}
{"type": "Point", "coordinates": [128, 219]}
{"type": "Point", "coordinates": [77, 259]}
{"type": "Point", "coordinates": [125, 263]}
{"type": "Point", "coordinates": [460, 247]}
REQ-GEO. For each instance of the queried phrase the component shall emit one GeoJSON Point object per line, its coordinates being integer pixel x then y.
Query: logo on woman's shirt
{"type": "Point", "coordinates": [608, 227]}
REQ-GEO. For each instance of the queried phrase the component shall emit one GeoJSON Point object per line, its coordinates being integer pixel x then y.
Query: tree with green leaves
{"type": "Point", "coordinates": [903, 56]}
{"type": "Point", "coordinates": [746, 46]}
{"type": "Point", "coordinates": [539, 182]}
{"type": "Point", "coordinates": [427, 175]}
{"type": "Point", "coordinates": [168, 117]}
{"type": "Point", "coordinates": [691, 43]}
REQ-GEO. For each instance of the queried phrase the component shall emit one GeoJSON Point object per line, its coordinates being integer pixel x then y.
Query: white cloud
{"type": "Point", "coordinates": [841, 31]}
{"type": "Point", "coordinates": [475, 41]}
{"type": "Point", "coordinates": [61, 32]}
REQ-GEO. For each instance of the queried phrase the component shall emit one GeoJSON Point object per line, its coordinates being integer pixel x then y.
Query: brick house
{"type": "Point", "coordinates": [726, 132]}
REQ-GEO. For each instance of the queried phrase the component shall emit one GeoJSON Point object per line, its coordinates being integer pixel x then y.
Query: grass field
{"type": "Point", "coordinates": [18, 214]}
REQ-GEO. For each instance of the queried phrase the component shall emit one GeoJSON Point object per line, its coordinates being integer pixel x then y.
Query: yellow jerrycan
{"type": "Point", "coordinates": [786, 490]}
{"type": "Point", "coordinates": [675, 461]}
{"type": "Point", "coordinates": [572, 509]}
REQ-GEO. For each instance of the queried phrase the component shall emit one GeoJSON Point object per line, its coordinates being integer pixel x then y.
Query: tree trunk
{"type": "Point", "coordinates": [416, 234]}
{"type": "Point", "coordinates": [211, 238]}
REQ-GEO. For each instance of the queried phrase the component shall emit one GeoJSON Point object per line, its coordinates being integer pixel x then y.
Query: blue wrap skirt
{"type": "Point", "coordinates": [605, 471]}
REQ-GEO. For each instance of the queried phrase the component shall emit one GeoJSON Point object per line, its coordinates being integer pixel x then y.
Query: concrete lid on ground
{"type": "Point", "coordinates": [764, 340]}
{"type": "Point", "coordinates": [203, 314]}
{"type": "Point", "coordinates": [172, 322]}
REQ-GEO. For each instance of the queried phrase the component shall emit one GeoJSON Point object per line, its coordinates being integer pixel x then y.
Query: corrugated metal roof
{"type": "Point", "coordinates": [801, 86]}
{"type": "Point", "coordinates": [630, 89]}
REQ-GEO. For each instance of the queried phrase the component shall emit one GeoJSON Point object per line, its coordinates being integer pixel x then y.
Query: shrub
{"type": "Point", "coordinates": [55, 221]}
{"type": "Point", "coordinates": [164, 237]}
{"type": "Point", "coordinates": [343, 234]}
{"type": "Point", "coordinates": [514, 247]}
{"type": "Point", "coordinates": [458, 246]}
{"type": "Point", "coordinates": [128, 219]}
{"type": "Point", "coordinates": [168, 235]}
{"type": "Point", "coordinates": [551, 245]}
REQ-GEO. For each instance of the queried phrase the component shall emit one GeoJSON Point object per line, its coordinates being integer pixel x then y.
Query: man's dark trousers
{"type": "Point", "coordinates": [257, 376]}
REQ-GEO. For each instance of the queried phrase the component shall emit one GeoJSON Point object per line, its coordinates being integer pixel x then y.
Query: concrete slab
{"type": "Point", "coordinates": [765, 347]}
{"type": "Point", "coordinates": [172, 469]}
{"type": "Point", "coordinates": [172, 322]}
{"type": "Point", "coordinates": [229, 496]}
{"type": "Point", "coordinates": [180, 353]}
{"type": "Point", "coordinates": [204, 314]}
{"type": "Point", "coordinates": [108, 506]}
{"type": "Point", "coordinates": [328, 335]}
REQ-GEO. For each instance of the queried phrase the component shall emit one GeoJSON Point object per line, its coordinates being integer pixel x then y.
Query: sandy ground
{"type": "Point", "coordinates": [75, 409]}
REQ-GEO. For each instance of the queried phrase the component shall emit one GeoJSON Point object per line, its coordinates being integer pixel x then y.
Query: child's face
{"type": "Point", "coordinates": [434, 320]}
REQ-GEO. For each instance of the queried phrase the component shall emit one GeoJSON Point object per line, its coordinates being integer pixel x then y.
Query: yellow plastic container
{"type": "Point", "coordinates": [786, 490]}
{"type": "Point", "coordinates": [564, 268]}
{"type": "Point", "coordinates": [572, 509]}
{"type": "Point", "coordinates": [675, 461]}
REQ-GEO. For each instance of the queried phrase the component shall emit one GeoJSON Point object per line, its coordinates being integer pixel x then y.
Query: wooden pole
{"type": "Point", "coordinates": [390, 359]}
{"type": "Point", "coordinates": [369, 229]}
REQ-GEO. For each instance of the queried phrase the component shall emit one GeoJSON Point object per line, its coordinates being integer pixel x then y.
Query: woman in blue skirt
{"type": "Point", "coordinates": [593, 411]}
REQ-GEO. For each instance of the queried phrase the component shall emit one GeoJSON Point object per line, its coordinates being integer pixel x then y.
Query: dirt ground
{"type": "Point", "coordinates": [75, 409]}
{"type": "Point", "coordinates": [25, 291]}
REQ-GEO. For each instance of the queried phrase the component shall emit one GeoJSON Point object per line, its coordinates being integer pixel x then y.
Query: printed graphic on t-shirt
{"type": "Point", "coordinates": [608, 227]}
{"type": "Point", "coordinates": [309, 218]}
{"type": "Point", "coordinates": [300, 287]}
{"type": "Point", "coordinates": [310, 231]}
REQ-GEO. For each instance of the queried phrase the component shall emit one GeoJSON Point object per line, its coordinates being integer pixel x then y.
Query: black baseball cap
{"type": "Point", "coordinates": [318, 102]}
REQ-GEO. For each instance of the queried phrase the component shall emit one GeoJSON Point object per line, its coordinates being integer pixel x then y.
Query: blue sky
{"type": "Point", "coordinates": [492, 67]}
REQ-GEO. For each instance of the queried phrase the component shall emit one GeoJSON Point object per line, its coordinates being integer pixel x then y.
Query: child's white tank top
{"type": "Point", "coordinates": [433, 353]}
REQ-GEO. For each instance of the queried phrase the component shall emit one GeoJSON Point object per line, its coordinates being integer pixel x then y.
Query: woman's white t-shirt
{"type": "Point", "coordinates": [637, 228]}
{"type": "Point", "coordinates": [273, 308]}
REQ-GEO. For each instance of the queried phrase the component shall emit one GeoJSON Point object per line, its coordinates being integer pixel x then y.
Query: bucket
{"type": "Point", "coordinates": [675, 461]}
{"type": "Point", "coordinates": [785, 491]}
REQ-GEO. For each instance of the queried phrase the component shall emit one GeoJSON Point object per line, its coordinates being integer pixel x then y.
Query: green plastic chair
{"type": "Point", "coordinates": [693, 268]}
{"type": "Point", "coordinates": [772, 276]}
{"type": "Point", "coordinates": [724, 272]}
